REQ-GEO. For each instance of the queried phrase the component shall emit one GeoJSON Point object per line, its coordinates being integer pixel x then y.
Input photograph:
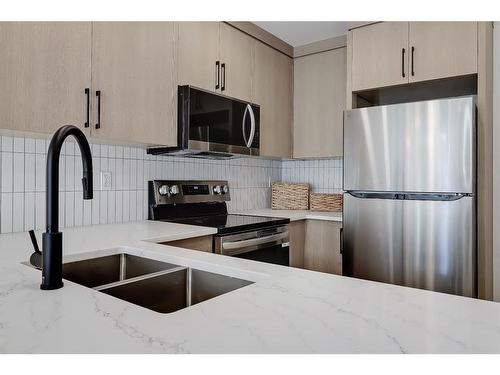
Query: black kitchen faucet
{"type": "Point", "coordinates": [52, 238]}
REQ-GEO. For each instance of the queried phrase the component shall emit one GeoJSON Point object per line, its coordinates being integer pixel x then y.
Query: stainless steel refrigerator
{"type": "Point", "coordinates": [409, 207]}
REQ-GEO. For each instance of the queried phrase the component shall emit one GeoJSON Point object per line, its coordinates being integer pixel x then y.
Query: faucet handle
{"type": "Point", "coordinates": [36, 257]}
{"type": "Point", "coordinates": [34, 241]}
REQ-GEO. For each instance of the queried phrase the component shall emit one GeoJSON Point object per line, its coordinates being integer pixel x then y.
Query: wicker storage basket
{"type": "Point", "coordinates": [287, 196]}
{"type": "Point", "coordinates": [326, 202]}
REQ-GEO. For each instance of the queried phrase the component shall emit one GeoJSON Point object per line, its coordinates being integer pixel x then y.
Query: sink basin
{"type": "Point", "coordinates": [155, 285]}
{"type": "Point", "coordinates": [175, 289]}
{"type": "Point", "coordinates": [110, 269]}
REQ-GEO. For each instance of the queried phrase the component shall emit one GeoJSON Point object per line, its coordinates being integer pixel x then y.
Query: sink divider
{"type": "Point", "coordinates": [143, 277]}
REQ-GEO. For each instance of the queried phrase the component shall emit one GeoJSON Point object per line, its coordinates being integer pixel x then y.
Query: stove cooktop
{"type": "Point", "coordinates": [231, 223]}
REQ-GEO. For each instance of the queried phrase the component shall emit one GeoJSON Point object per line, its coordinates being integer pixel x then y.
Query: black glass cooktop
{"type": "Point", "coordinates": [232, 223]}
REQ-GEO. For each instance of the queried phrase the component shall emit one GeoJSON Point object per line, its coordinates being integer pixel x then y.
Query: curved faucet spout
{"type": "Point", "coordinates": [52, 238]}
{"type": "Point", "coordinates": [53, 155]}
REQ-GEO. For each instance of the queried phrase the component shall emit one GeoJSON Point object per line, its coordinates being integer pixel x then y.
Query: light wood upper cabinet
{"type": "Point", "coordinates": [198, 53]}
{"type": "Point", "coordinates": [273, 92]}
{"type": "Point", "coordinates": [319, 101]}
{"type": "Point", "coordinates": [395, 53]}
{"type": "Point", "coordinates": [133, 65]}
{"type": "Point", "coordinates": [44, 70]}
{"type": "Point", "coordinates": [378, 58]}
{"type": "Point", "coordinates": [237, 53]}
{"type": "Point", "coordinates": [442, 49]}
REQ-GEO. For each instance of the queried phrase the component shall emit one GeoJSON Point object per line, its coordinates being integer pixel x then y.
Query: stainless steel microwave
{"type": "Point", "coordinates": [214, 126]}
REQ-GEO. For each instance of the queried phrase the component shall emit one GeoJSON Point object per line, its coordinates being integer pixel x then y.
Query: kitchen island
{"type": "Point", "coordinates": [285, 310]}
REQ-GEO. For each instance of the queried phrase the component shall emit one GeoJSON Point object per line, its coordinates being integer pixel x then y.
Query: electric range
{"type": "Point", "coordinates": [203, 203]}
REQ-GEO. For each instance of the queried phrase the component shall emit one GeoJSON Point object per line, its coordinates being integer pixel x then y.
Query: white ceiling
{"type": "Point", "coordinates": [300, 33]}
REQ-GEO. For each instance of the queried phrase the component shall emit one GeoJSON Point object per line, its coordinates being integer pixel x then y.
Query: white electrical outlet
{"type": "Point", "coordinates": [106, 182]}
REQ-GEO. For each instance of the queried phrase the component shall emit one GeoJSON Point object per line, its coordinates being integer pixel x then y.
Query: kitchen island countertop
{"type": "Point", "coordinates": [286, 310]}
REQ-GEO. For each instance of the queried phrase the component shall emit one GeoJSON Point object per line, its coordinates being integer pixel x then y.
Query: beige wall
{"type": "Point", "coordinates": [496, 162]}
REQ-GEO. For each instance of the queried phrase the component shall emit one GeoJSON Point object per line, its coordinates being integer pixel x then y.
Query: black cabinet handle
{"type": "Point", "coordinates": [98, 95]}
{"type": "Point", "coordinates": [87, 93]}
{"type": "Point", "coordinates": [223, 70]}
{"type": "Point", "coordinates": [403, 62]}
{"type": "Point", "coordinates": [217, 69]}
{"type": "Point", "coordinates": [412, 53]}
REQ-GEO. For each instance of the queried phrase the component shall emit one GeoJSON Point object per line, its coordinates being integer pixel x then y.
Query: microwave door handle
{"type": "Point", "coordinates": [252, 130]}
{"type": "Point", "coordinates": [243, 125]}
{"type": "Point", "coordinates": [237, 246]}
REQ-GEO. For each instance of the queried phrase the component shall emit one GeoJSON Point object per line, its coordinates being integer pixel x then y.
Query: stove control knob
{"type": "Point", "coordinates": [174, 190]}
{"type": "Point", "coordinates": [225, 189]}
{"type": "Point", "coordinates": [217, 189]}
{"type": "Point", "coordinates": [163, 190]}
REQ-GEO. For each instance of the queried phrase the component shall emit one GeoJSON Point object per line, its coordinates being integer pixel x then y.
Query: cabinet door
{"type": "Point", "coordinates": [133, 65]}
{"type": "Point", "coordinates": [319, 101]}
{"type": "Point", "coordinates": [442, 49]}
{"type": "Point", "coordinates": [198, 48]}
{"type": "Point", "coordinates": [237, 53]}
{"type": "Point", "coordinates": [273, 92]}
{"type": "Point", "coordinates": [297, 231]}
{"type": "Point", "coordinates": [44, 70]}
{"type": "Point", "coordinates": [378, 59]}
{"type": "Point", "coordinates": [322, 246]}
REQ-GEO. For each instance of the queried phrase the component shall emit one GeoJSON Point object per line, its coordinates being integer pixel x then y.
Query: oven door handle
{"type": "Point", "coordinates": [235, 247]}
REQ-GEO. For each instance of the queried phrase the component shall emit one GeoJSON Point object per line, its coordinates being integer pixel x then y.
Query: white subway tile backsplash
{"type": "Point", "coordinates": [7, 144]}
{"type": "Point", "coordinates": [23, 168]}
{"type": "Point", "coordinates": [125, 206]}
{"type": "Point", "coordinates": [29, 145]}
{"type": "Point", "coordinates": [39, 210]}
{"type": "Point", "coordinates": [87, 212]}
{"type": "Point", "coordinates": [40, 160]}
{"type": "Point", "coordinates": [29, 211]}
{"type": "Point", "coordinates": [324, 175]}
{"type": "Point", "coordinates": [18, 212]}
{"type": "Point", "coordinates": [69, 209]}
{"type": "Point", "coordinates": [78, 220]}
{"type": "Point", "coordinates": [7, 172]}
{"type": "Point", "coordinates": [29, 172]}
{"type": "Point", "coordinates": [40, 147]}
{"type": "Point", "coordinates": [6, 214]}
{"type": "Point", "coordinates": [103, 207]}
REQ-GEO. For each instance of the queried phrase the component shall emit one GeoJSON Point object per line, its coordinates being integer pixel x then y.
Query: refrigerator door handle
{"type": "Point", "coordinates": [341, 240]}
{"type": "Point", "coordinates": [435, 196]}
{"type": "Point", "coordinates": [410, 196]}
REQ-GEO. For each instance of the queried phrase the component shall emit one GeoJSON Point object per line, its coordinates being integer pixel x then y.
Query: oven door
{"type": "Point", "coordinates": [267, 245]}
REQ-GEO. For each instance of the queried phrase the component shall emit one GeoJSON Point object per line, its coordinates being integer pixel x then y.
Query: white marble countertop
{"type": "Point", "coordinates": [286, 310]}
{"type": "Point", "coordinates": [295, 215]}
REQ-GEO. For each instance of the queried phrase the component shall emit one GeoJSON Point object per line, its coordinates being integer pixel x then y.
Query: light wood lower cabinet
{"type": "Point", "coordinates": [44, 70]}
{"type": "Point", "coordinates": [319, 101]}
{"type": "Point", "coordinates": [315, 245]}
{"type": "Point", "coordinates": [297, 234]}
{"type": "Point", "coordinates": [133, 66]}
{"type": "Point", "coordinates": [322, 246]}
{"type": "Point", "coordinates": [203, 243]}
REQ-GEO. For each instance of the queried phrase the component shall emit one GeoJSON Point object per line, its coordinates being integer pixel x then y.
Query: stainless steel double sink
{"type": "Point", "coordinates": [156, 285]}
